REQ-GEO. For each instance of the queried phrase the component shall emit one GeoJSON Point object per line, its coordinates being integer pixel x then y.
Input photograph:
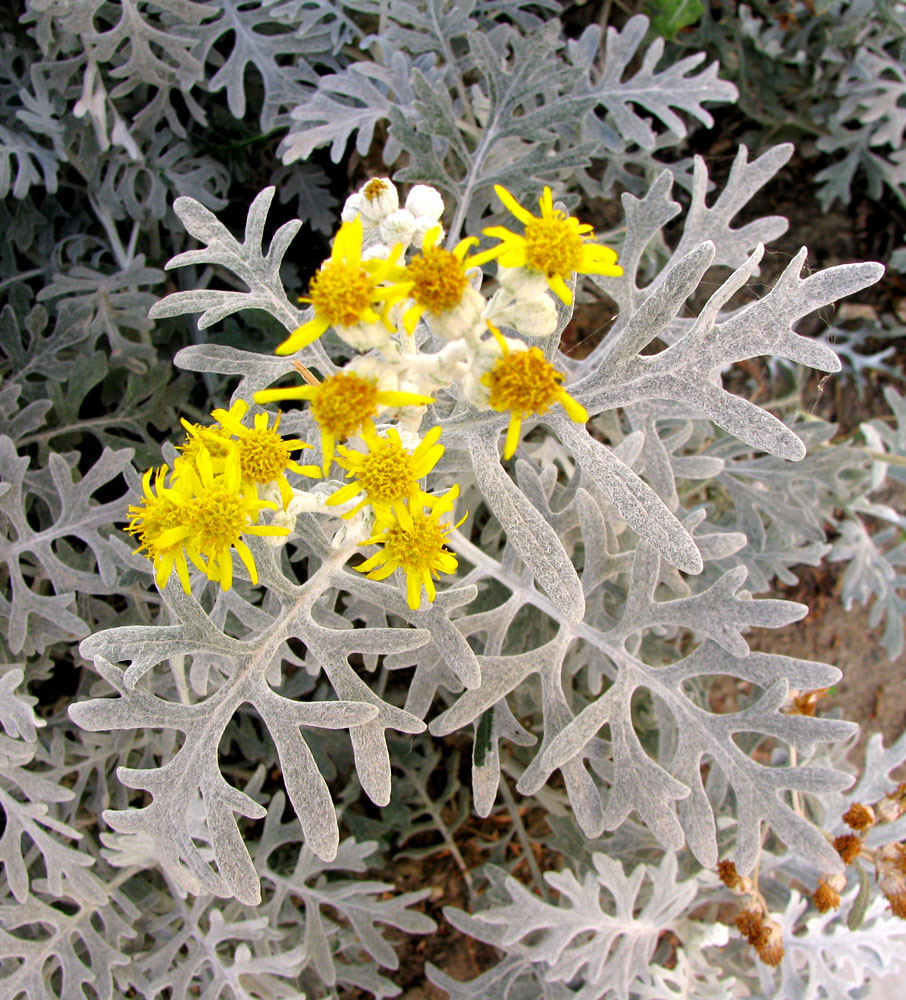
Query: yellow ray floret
{"type": "Point", "coordinates": [346, 291]}
{"type": "Point", "coordinates": [203, 516]}
{"type": "Point", "coordinates": [419, 549]}
{"type": "Point", "coordinates": [153, 518]}
{"type": "Point", "coordinates": [387, 474]}
{"type": "Point", "coordinates": [555, 244]}
{"type": "Point", "coordinates": [343, 405]}
{"type": "Point", "coordinates": [436, 278]}
{"type": "Point", "coordinates": [526, 383]}
{"type": "Point", "coordinates": [264, 456]}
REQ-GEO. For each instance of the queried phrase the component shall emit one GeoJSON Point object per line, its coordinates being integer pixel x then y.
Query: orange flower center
{"type": "Point", "coordinates": [417, 548]}
{"type": "Point", "coordinates": [341, 293]}
{"type": "Point", "coordinates": [344, 403]}
{"type": "Point", "coordinates": [439, 280]}
{"type": "Point", "coordinates": [553, 246]}
{"type": "Point", "coordinates": [523, 381]}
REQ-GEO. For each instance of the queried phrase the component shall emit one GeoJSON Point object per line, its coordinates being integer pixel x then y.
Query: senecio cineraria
{"type": "Point", "coordinates": [415, 325]}
{"type": "Point", "coordinates": [370, 411]}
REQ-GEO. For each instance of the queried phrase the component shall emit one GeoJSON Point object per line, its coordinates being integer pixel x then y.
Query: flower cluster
{"type": "Point", "coordinates": [389, 272]}
{"type": "Point", "coordinates": [889, 860]}
{"type": "Point", "coordinates": [199, 510]}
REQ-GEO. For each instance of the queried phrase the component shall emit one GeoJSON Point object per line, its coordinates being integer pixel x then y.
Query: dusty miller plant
{"type": "Point", "coordinates": [199, 827]}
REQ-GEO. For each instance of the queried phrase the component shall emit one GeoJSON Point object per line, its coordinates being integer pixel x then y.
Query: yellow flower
{"type": "Point", "coordinates": [203, 515]}
{"type": "Point", "coordinates": [199, 436]}
{"type": "Point", "coordinates": [345, 292]}
{"type": "Point", "coordinates": [152, 519]}
{"type": "Point", "coordinates": [419, 550]}
{"type": "Point", "coordinates": [437, 278]}
{"type": "Point", "coordinates": [388, 474]}
{"type": "Point", "coordinates": [528, 384]}
{"type": "Point", "coordinates": [264, 456]}
{"type": "Point", "coordinates": [555, 244]}
{"type": "Point", "coordinates": [343, 405]}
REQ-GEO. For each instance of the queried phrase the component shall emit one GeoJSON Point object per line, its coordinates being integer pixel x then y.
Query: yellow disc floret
{"type": "Point", "coordinates": [554, 244]}
{"type": "Point", "coordinates": [201, 514]}
{"type": "Point", "coordinates": [341, 293]}
{"type": "Point", "coordinates": [343, 405]}
{"type": "Point", "coordinates": [264, 456]}
{"type": "Point", "coordinates": [526, 383]}
{"type": "Point", "coordinates": [153, 518]}
{"type": "Point", "coordinates": [419, 549]}
{"type": "Point", "coordinates": [388, 473]}
{"type": "Point", "coordinates": [346, 291]}
{"type": "Point", "coordinates": [437, 278]}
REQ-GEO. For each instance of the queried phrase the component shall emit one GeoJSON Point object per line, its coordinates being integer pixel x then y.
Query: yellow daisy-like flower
{"type": "Point", "coordinates": [555, 244]}
{"type": "Point", "coordinates": [346, 290]}
{"type": "Point", "coordinates": [437, 278]}
{"type": "Point", "coordinates": [343, 405]}
{"type": "Point", "coordinates": [264, 456]}
{"type": "Point", "coordinates": [203, 516]}
{"type": "Point", "coordinates": [199, 436]}
{"type": "Point", "coordinates": [388, 474]}
{"type": "Point", "coordinates": [528, 384]}
{"type": "Point", "coordinates": [419, 550]}
{"type": "Point", "coordinates": [152, 519]}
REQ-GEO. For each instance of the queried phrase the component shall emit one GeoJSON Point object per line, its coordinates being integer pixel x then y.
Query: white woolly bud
{"type": "Point", "coordinates": [424, 200]}
{"type": "Point", "coordinates": [281, 519]}
{"type": "Point", "coordinates": [521, 282]}
{"type": "Point", "coordinates": [398, 227]}
{"type": "Point", "coordinates": [424, 223]}
{"type": "Point", "coordinates": [532, 317]}
{"type": "Point", "coordinates": [379, 199]}
{"type": "Point", "coordinates": [461, 319]}
{"type": "Point", "coordinates": [377, 251]}
{"type": "Point", "coordinates": [352, 208]}
{"type": "Point", "coordinates": [364, 336]}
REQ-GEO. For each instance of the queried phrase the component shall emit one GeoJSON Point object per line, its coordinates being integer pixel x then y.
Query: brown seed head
{"type": "Point", "coordinates": [859, 817]}
{"type": "Point", "coordinates": [897, 902]}
{"type": "Point", "coordinates": [825, 897]}
{"type": "Point", "coordinates": [848, 846]}
{"type": "Point", "coordinates": [769, 943]}
{"type": "Point", "coordinates": [727, 873]}
{"type": "Point", "coordinates": [749, 923]}
{"type": "Point", "coordinates": [806, 702]}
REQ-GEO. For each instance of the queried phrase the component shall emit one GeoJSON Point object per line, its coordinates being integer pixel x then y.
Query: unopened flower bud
{"type": "Point", "coordinates": [364, 336]}
{"type": "Point", "coordinates": [423, 225]}
{"type": "Point", "coordinates": [398, 227]}
{"type": "Point", "coordinates": [379, 199]}
{"type": "Point", "coordinates": [424, 200]}
{"type": "Point", "coordinates": [531, 317]}
{"type": "Point", "coordinates": [352, 208]}
{"type": "Point", "coordinates": [521, 282]}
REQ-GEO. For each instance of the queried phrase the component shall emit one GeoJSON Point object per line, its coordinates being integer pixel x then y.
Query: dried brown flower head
{"type": "Point", "coordinates": [859, 817]}
{"type": "Point", "coordinates": [848, 845]}
{"type": "Point", "coordinates": [825, 897]}
{"type": "Point", "coordinates": [749, 924]}
{"type": "Point", "coordinates": [769, 943]}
